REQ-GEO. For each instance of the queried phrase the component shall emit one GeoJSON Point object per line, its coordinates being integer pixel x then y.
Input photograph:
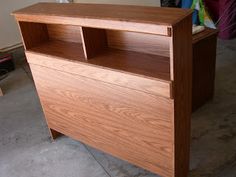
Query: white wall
{"type": "Point", "coordinates": [127, 2]}
{"type": "Point", "coordinates": [9, 33]}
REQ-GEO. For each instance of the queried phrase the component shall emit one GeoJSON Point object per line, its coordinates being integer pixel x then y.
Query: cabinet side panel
{"type": "Point", "coordinates": [203, 70]}
{"type": "Point", "coordinates": [129, 124]}
{"type": "Point", "coordinates": [182, 75]}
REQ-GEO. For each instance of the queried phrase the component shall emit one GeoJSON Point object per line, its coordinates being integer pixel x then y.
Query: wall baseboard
{"type": "Point", "coordinates": [17, 52]}
{"type": "Point", "coordinates": [12, 47]}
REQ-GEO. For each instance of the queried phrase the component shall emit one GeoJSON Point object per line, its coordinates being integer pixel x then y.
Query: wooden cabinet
{"type": "Point", "coordinates": [118, 78]}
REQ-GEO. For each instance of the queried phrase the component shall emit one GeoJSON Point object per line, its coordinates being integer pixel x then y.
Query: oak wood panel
{"type": "Point", "coordinates": [131, 125]}
{"type": "Point", "coordinates": [67, 33]}
{"type": "Point", "coordinates": [94, 41]}
{"type": "Point", "coordinates": [182, 88]}
{"type": "Point", "coordinates": [124, 61]}
{"type": "Point", "coordinates": [136, 14]}
{"type": "Point", "coordinates": [144, 84]}
{"type": "Point", "coordinates": [139, 42]}
{"type": "Point", "coordinates": [33, 34]}
{"type": "Point", "coordinates": [152, 20]}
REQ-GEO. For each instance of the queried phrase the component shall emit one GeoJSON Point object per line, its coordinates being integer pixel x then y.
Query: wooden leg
{"type": "Point", "coordinates": [1, 93]}
{"type": "Point", "coordinates": [54, 134]}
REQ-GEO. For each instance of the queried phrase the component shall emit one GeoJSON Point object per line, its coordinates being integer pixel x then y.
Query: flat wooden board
{"type": "Point", "coordinates": [127, 80]}
{"type": "Point", "coordinates": [129, 124]}
{"type": "Point", "coordinates": [204, 34]}
{"type": "Point", "coordinates": [136, 14]}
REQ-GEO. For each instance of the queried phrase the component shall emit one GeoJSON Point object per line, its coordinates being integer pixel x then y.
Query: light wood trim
{"type": "Point", "coordinates": [151, 86]}
{"type": "Point", "coordinates": [171, 59]}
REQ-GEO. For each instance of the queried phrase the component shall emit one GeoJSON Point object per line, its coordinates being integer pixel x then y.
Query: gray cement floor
{"type": "Point", "coordinates": [27, 151]}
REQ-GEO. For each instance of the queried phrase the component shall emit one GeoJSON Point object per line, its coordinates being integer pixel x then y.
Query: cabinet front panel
{"type": "Point", "coordinates": [126, 123]}
{"type": "Point", "coordinates": [114, 77]}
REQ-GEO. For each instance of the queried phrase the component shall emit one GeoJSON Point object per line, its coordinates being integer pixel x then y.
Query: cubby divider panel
{"type": "Point", "coordinates": [94, 41]}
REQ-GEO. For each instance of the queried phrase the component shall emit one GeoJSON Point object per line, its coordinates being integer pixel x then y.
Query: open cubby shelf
{"type": "Point", "coordinates": [128, 61]}
{"type": "Point", "coordinates": [134, 62]}
{"type": "Point", "coordinates": [132, 52]}
{"type": "Point", "coordinates": [62, 49]}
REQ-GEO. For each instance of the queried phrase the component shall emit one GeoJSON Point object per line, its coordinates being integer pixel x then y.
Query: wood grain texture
{"type": "Point", "coordinates": [182, 87]}
{"type": "Point", "coordinates": [94, 41]}
{"type": "Point", "coordinates": [108, 117]}
{"type": "Point", "coordinates": [137, 14]}
{"type": "Point", "coordinates": [67, 50]}
{"type": "Point", "coordinates": [96, 23]}
{"type": "Point", "coordinates": [124, 61]}
{"type": "Point", "coordinates": [67, 33]}
{"type": "Point", "coordinates": [33, 34]}
{"type": "Point", "coordinates": [204, 67]}
{"type": "Point", "coordinates": [128, 80]}
{"type": "Point", "coordinates": [139, 42]}
{"type": "Point", "coordinates": [129, 99]}
{"type": "Point", "coordinates": [204, 34]}
{"type": "Point", "coordinates": [129, 18]}
{"type": "Point", "coordinates": [134, 62]}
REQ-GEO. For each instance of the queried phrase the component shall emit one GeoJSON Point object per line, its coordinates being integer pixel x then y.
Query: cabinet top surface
{"type": "Point", "coordinates": [136, 14]}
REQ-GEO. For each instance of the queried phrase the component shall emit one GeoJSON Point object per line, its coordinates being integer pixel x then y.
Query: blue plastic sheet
{"type": "Point", "coordinates": [187, 4]}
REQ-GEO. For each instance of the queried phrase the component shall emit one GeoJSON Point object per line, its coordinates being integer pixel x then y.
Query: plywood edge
{"type": "Point", "coordinates": [145, 84]}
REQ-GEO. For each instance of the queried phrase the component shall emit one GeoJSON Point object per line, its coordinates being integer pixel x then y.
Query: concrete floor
{"type": "Point", "coordinates": [27, 151]}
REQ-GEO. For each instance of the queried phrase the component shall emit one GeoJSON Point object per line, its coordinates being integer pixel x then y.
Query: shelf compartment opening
{"type": "Point", "coordinates": [53, 39]}
{"type": "Point", "coordinates": [138, 53]}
